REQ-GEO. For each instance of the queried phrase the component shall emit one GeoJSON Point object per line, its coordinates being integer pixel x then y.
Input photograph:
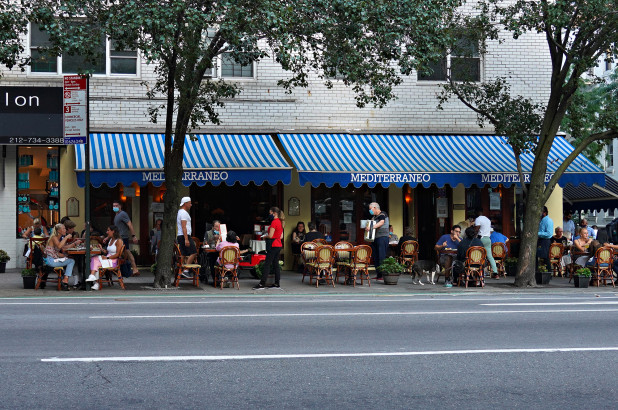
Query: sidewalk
{"type": "Point", "coordinates": [11, 285]}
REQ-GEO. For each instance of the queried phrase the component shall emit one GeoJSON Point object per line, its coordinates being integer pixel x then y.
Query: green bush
{"type": "Point", "coordinates": [4, 257]}
{"type": "Point", "coordinates": [583, 272]}
{"type": "Point", "coordinates": [28, 272]}
{"type": "Point", "coordinates": [541, 268]}
{"type": "Point", "coordinates": [390, 266]}
{"type": "Point", "coordinates": [511, 261]}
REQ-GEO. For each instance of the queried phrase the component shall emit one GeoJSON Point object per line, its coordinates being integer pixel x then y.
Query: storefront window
{"type": "Point", "coordinates": [337, 211]}
{"type": "Point", "coordinates": [38, 188]}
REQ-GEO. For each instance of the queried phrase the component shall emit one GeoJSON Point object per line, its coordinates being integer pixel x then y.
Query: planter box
{"type": "Point", "coordinates": [542, 278]}
{"type": "Point", "coordinates": [582, 281]}
{"type": "Point", "coordinates": [29, 282]}
{"type": "Point", "coordinates": [391, 279]}
{"type": "Point", "coordinates": [511, 270]}
{"type": "Point", "coordinates": [2, 267]}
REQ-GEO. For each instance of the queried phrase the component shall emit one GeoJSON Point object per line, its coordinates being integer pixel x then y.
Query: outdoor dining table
{"type": "Point", "coordinates": [79, 254]}
{"type": "Point", "coordinates": [338, 258]}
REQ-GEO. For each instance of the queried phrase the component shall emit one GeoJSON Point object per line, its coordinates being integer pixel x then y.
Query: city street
{"type": "Point", "coordinates": [424, 351]}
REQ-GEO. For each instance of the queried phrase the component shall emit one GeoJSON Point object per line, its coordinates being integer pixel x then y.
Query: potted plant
{"type": "Point", "coordinates": [390, 269]}
{"type": "Point", "coordinates": [542, 275]}
{"type": "Point", "coordinates": [28, 275]}
{"type": "Point", "coordinates": [582, 277]}
{"type": "Point", "coordinates": [510, 265]}
{"type": "Point", "coordinates": [4, 258]}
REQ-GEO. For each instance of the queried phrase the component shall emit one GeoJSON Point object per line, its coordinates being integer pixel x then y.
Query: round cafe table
{"type": "Point", "coordinates": [79, 254]}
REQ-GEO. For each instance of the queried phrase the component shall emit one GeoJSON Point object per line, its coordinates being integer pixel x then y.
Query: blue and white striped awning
{"type": "Point", "coordinates": [423, 159]}
{"type": "Point", "coordinates": [212, 158]}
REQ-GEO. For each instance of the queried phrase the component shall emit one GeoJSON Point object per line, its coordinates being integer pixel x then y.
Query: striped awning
{"type": "Point", "coordinates": [593, 198]}
{"type": "Point", "coordinates": [211, 158]}
{"type": "Point", "coordinates": [423, 159]}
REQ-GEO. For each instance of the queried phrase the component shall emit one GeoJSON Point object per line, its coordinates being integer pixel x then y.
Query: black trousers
{"type": "Point", "coordinates": [271, 263]}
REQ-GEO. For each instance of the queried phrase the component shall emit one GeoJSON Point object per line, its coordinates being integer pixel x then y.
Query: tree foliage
{"type": "Point", "coordinates": [577, 34]}
{"type": "Point", "coordinates": [356, 40]}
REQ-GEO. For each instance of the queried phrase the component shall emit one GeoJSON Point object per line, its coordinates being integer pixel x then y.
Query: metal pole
{"type": "Point", "coordinates": [86, 269]}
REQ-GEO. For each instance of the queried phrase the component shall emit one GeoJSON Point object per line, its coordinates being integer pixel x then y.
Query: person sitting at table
{"type": "Point", "coordinates": [114, 243]}
{"type": "Point", "coordinates": [54, 256]}
{"type": "Point", "coordinates": [36, 223]}
{"type": "Point", "coordinates": [448, 242]}
{"type": "Point", "coordinates": [496, 236]}
{"type": "Point", "coordinates": [211, 238]}
{"type": "Point", "coordinates": [408, 235]}
{"type": "Point", "coordinates": [392, 238]}
{"type": "Point", "coordinates": [466, 243]}
{"type": "Point", "coordinates": [230, 240]}
{"type": "Point", "coordinates": [560, 238]}
{"type": "Point", "coordinates": [313, 233]}
{"type": "Point", "coordinates": [582, 245]}
{"type": "Point", "coordinates": [298, 237]}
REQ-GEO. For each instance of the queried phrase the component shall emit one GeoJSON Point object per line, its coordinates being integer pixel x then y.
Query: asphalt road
{"type": "Point", "coordinates": [463, 351]}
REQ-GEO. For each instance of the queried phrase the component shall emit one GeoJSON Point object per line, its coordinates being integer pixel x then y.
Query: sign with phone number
{"type": "Point", "coordinates": [32, 140]}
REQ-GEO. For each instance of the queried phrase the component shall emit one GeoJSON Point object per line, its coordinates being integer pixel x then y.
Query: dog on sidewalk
{"type": "Point", "coordinates": [425, 267]}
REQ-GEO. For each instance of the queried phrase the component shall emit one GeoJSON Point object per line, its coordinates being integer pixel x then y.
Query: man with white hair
{"type": "Point", "coordinates": [183, 222]}
{"type": "Point", "coordinates": [380, 243]}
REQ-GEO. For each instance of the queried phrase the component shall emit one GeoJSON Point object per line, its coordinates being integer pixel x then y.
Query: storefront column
{"type": "Point", "coordinates": [554, 206]}
{"type": "Point", "coordinates": [303, 193]}
{"type": "Point", "coordinates": [69, 187]}
{"type": "Point", "coordinates": [459, 204]}
{"type": "Point", "coordinates": [8, 209]}
{"type": "Point", "coordinates": [395, 209]}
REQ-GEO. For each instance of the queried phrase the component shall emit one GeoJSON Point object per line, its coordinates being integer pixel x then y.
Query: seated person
{"type": "Point", "coordinates": [230, 240]}
{"type": "Point", "coordinates": [211, 238]}
{"type": "Point", "coordinates": [313, 233]}
{"type": "Point", "coordinates": [582, 245]}
{"type": "Point", "coordinates": [392, 238]}
{"type": "Point", "coordinates": [36, 223]}
{"type": "Point", "coordinates": [448, 241]}
{"type": "Point", "coordinates": [54, 256]}
{"type": "Point", "coordinates": [560, 238]}
{"type": "Point", "coordinates": [470, 240]}
{"type": "Point", "coordinates": [496, 236]}
{"type": "Point", "coordinates": [75, 240]}
{"type": "Point", "coordinates": [407, 236]}
{"type": "Point", "coordinates": [112, 254]}
{"type": "Point", "coordinates": [298, 236]}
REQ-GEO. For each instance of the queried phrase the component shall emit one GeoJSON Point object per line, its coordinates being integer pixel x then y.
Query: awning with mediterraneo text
{"type": "Point", "coordinates": [374, 159]}
{"type": "Point", "coordinates": [211, 158]}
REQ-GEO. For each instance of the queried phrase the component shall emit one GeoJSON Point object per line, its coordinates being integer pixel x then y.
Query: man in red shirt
{"type": "Point", "coordinates": [275, 232]}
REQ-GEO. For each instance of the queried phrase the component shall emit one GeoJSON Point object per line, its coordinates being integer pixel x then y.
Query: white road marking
{"type": "Point", "coordinates": [340, 314]}
{"type": "Point", "coordinates": [550, 303]}
{"type": "Point", "coordinates": [322, 355]}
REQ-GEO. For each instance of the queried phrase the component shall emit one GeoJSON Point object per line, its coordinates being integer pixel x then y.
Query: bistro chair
{"type": "Point", "coordinates": [473, 267]}
{"type": "Point", "coordinates": [197, 243]}
{"type": "Point", "coordinates": [498, 251]}
{"type": "Point", "coordinates": [37, 247]}
{"type": "Point", "coordinates": [361, 258]}
{"type": "Point", "coordinates": [307, 253]}
{"type": "Point", "coordinates": [229, 258]}
{"type": "Point", "coordinates": [322, 265]}
{"type": "Point", "coordinates": [602, 270]}
{"type": "Point", "coordinates": [320, 241]}
{"type": "Point", "coordinates": [556, 250]}
{"type": "Point", "coordinates": [193, 269]}
{"type": "Point", "coordinates": [409, 255]}
{"type": "Point", "coordinates": [343, 252]}
{"type": "Point", "coordinates": [106, 274]}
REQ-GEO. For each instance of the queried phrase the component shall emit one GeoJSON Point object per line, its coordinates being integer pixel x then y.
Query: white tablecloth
{"type": "Point", "coordinates": [257, 246]}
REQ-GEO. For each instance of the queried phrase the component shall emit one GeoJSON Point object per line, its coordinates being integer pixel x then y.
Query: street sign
{"type": "Point", "coordinates": [75, 109]}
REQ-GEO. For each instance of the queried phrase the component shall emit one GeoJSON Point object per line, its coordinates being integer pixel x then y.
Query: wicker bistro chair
{"type": "Point", "coordinates": [106, 274]}
{"type": "Point", "coordinates": [43, 272]}
{"type": "Point", "coordinates": [322, 265]}
{"type": "Point", "coordinates": [193, 268]}
{"type": "Point", "coordinates": [409, 255]}
{"type": "Point", "coordinates": [359, 264]}
{"type": "Point", "coordinates": [307, 252]}
{"type": "Point", "coordinates": [498, 251]}
{"type": "Point", "coordinates": [228, 256]}
{"type": "Point", "coordinates": [556, 250]}
{"type": "Point", "coordinates": [342, 257]}
{"type": "Point", "coordinates": [473, 267]}
{"type": "Point", "coordinates": [602, 270]}
{"type": "Point", "coordinates": [320, 241]}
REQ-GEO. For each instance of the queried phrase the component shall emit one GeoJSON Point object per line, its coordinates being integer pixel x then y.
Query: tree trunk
{"type": "Point", "coordinates": [526, 265]}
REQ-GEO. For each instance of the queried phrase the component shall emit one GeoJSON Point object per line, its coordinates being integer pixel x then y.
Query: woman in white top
{"type": "Point", "coordinates": [113, 253]}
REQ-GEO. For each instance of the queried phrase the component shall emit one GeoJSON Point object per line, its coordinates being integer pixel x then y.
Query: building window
{"type": "Point", "coordinates": [610, 155]}
{"type": "Point", "coordinates": [38, 188]}
{"type": "Point", "coordinates": [463, 63]}
{"type": "Point", "coordinates": [110, 60]}
{"type": "Point", "coordinates": [232, 69]}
